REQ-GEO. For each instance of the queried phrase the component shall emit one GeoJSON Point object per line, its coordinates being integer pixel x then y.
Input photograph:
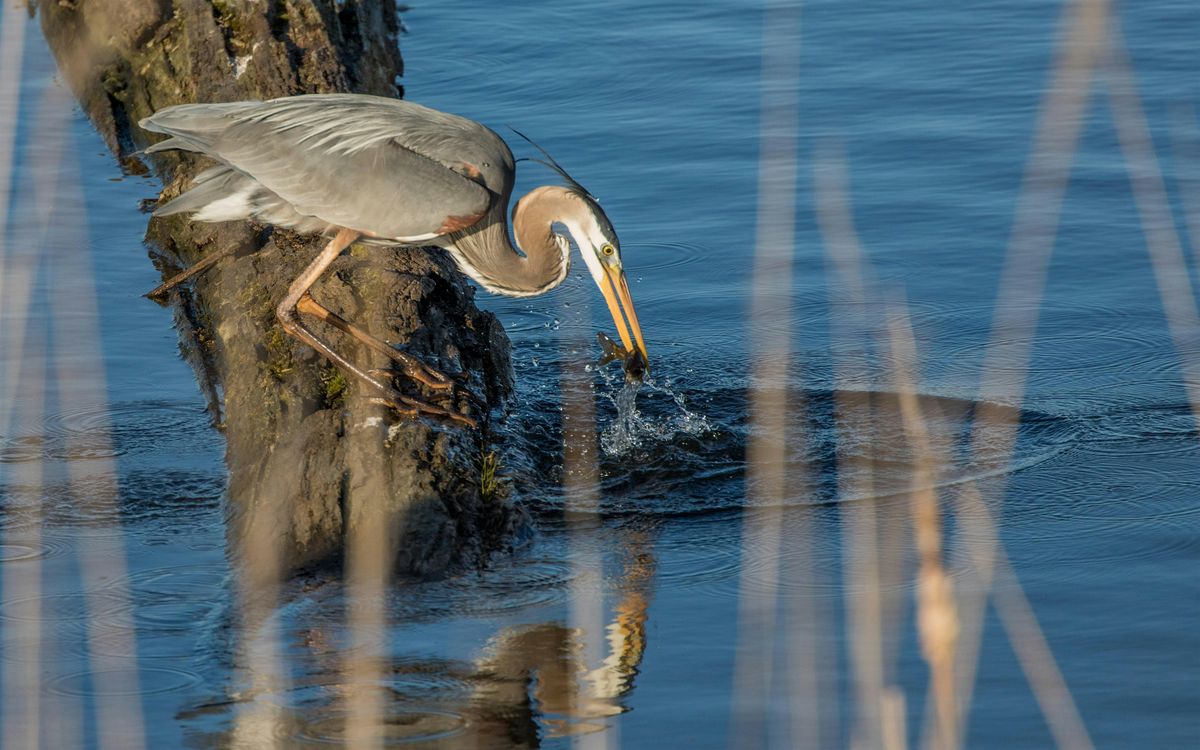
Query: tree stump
{"type": "Point", "coordinates": [310, 459]}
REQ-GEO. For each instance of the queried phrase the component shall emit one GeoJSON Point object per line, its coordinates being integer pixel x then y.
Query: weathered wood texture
{"type": "Point", "coordinates": [309, 456]}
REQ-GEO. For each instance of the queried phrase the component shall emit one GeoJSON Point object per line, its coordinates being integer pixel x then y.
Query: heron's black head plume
{"type": "Point", "coordinates": [553, 164]}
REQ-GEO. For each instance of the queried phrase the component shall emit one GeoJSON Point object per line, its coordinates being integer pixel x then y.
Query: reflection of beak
{"type": "Point", "coordinates": [615, 287]}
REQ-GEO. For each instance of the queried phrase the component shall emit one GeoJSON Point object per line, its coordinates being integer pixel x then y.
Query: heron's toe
{"type": "Point", "coordinates": [413, 408]}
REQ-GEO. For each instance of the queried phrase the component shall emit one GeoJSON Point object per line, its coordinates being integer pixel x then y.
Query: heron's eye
{"type": "Point", "coordinates": [608, 249]}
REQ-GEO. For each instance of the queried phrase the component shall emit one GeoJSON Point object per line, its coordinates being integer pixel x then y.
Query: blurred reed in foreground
{"type": "Point", "coordinates": [779, 699]}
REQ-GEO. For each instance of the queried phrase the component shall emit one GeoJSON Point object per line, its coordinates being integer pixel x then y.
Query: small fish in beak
{"type": "Point", "coordinates": [635, 363]}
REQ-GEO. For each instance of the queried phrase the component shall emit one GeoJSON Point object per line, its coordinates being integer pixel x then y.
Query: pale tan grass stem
{"type": "Point", "coordinates": [259, 670]}
{"type": "Point", "coordinates": [21, 705]}
{"type": "Point", "coordinates": [1037, 660]}
{"type": "Point", "coordinates": [581, 480]}
{"type": "Point", "coordinates": [1184, 128]}
{"type": "Point", "coordinates": [21, 405]}
{"type": "Point", "coordinates": [1150, 194]}
{"type": "Point", "coordinates": [1022, 283]}
{"type": "Point", "coordinates": [12, 48]}
{"type": "Point", "coordinates": [864, 529]}
{"type": "Point", "coordinates": [370, 556]}
{"type": "Point", "coordinates": [937, 616]}
{"type": "Point", "coordinates": [754, 699]}
{"type": "Point", "coordinates": [78, 371]}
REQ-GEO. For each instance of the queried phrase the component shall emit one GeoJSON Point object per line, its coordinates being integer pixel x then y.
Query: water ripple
{"type": "Point", "coordinates": [149, 427]}
{"type": "Point", "coordinates": [151, 681]}
{"type": "Point", "coordinates": [48, 546]}
{"type": "Point", "coordinates": [654, 256]}
{"type": "Point", "coordinates": [401, 725]}
{"type": "Point", "coordinates": [699, 466]}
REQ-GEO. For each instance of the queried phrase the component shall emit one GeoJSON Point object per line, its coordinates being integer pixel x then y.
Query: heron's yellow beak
{"type": "Point", "coordinates": [615, 288]}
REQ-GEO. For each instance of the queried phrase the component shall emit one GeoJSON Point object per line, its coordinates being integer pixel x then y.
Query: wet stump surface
{"type": "Point", "coordinates": [310, 458]}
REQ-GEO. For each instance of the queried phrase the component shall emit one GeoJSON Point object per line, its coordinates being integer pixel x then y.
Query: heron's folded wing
{"type": "Point", "coordinates": [362, 167]}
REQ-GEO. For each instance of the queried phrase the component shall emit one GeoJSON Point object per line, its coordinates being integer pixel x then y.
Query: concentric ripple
{"type": "Point", "coordinates": [151, 681]}
{"type": "Point", "coordinates": [75, 608]}
{"type": "Point", "coordinates": [47, 546]}
{"type": "Point", "coordinates": [653, 256]}
{"type": "Point", "coordinates": [691, 459]}
{"type": "Point", "coordinates": [504, 587]}
{"type": "Point", "coordinates": [147, 428]}
{"type": "Point", "coordinates": [400, 725]}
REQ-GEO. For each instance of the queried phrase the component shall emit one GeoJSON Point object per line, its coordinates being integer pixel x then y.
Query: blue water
{"type": "Point", "coordinates": [655, 107]}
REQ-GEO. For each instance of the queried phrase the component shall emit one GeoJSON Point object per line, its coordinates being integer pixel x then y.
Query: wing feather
{"type": "Point", "coordinates": [388, 167]}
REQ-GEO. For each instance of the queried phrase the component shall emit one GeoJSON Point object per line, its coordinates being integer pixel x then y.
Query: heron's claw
{"type": "Point", "coordinates": [414, 368]}
{"type": "Point", "coordinates": [456, 389]}
{"type": "Point", "coordinates": [413, 408]}
{"type": "Point", "coordinates": [406, 365]}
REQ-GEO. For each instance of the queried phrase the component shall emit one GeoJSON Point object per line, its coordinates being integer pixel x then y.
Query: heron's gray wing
{"type": "Point", "coordinates": [391, 168]}
{"type": "Point", "coordinates": [192, 126]}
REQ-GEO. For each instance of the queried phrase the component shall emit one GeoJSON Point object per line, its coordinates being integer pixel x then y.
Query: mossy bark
{"type": "Point", "coordinates": [309, 456]}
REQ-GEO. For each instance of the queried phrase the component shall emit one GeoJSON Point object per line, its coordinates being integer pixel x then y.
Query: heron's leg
{"type": "Point", "coordinates": [410, 365]}
{"type": "Point", "coordinates": [202, 265]}
{"type": "Point", "coordinates": [289, 318]}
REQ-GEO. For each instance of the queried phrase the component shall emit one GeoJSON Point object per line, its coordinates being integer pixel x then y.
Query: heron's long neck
{"type": "Point", "coordinates": [485, 253]}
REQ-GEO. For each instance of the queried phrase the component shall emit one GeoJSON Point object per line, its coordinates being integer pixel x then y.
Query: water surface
{"type": "Point", "coordinates": [655, 108]}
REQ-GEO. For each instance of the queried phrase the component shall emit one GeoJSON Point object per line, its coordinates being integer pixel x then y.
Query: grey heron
{"type": "Point", "coordinates": [360, 168]}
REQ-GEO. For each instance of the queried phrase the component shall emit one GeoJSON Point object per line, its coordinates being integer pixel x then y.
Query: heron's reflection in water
{"type": "Point", "coordinates": [526, 683]}
{"type": "Point", "coordinates": [536, 674]}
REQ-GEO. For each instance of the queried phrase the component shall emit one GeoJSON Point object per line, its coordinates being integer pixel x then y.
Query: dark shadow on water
{"type": "Point", "coordinates": [677, 459]}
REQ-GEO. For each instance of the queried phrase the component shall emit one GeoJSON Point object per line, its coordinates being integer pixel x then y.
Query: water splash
{"type": "Point", "coordinates": [667, 415]}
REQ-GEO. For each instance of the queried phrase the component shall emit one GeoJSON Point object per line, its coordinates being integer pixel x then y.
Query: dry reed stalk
{"type": "Point", "coordinates": [372, 531]}
{"type": "Point", "coordinates": [937, 620]}
{"type": "Point", "coordinates": [973, 566]}
{"type": "Point", "coordinates": [864, 530]}
{"type": "Point", "coordinates": [78, 372]}
{"type": "Point", "coordinates": [1037, 660]}
{"type": "Point", "coordinates": [937, 617]}
{"type": "Point", "coordinates": [14, 283]}
{"type": "Point", "coordinates": [811, 668]}
{"type": "Point", "coordinates": [1187, 158]}
{"type": "Point", "coordinates": [1171, 275]}
{"type": "Point", "coordinates": [369, 558]}
{"type": "Point", "coordinates": [22, 404]}
{"type": "Point", "coordinates": [1150, 194]}
{"type": "Point", "coordinates": [21, 704]}
{"type": "Point", "coordinates": [1021, 288]}
{"type": "Point", "coordinates": [1028, 642]}
{"type": "Point", "coordinates": [257, 575]}
{"type": "Point", "coordinates": [767, 448]}
{"type": "Point", "coordinates": [12, 48]}
{"type": "Point", "coordinates": [895, 727]}
{"type": "Point", "coordinates": [581, 482]}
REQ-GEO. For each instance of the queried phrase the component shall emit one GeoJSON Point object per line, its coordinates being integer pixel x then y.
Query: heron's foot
{"type": "Point", "coordinates": [413, 408]}
{"type": "Point", "coordinates": [410, 366]}
{"type": "Point", "coordinates": [413, 368]}
{"type": "Point", "coordinates": [456, 389]}
{"type": "Point", "coordinates": [299, 301]}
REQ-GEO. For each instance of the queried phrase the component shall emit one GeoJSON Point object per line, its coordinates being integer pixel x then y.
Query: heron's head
{"type": "Point", "coordinates": [580, 212]}
{"type": "Point", "coordinates": [601, 251]}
